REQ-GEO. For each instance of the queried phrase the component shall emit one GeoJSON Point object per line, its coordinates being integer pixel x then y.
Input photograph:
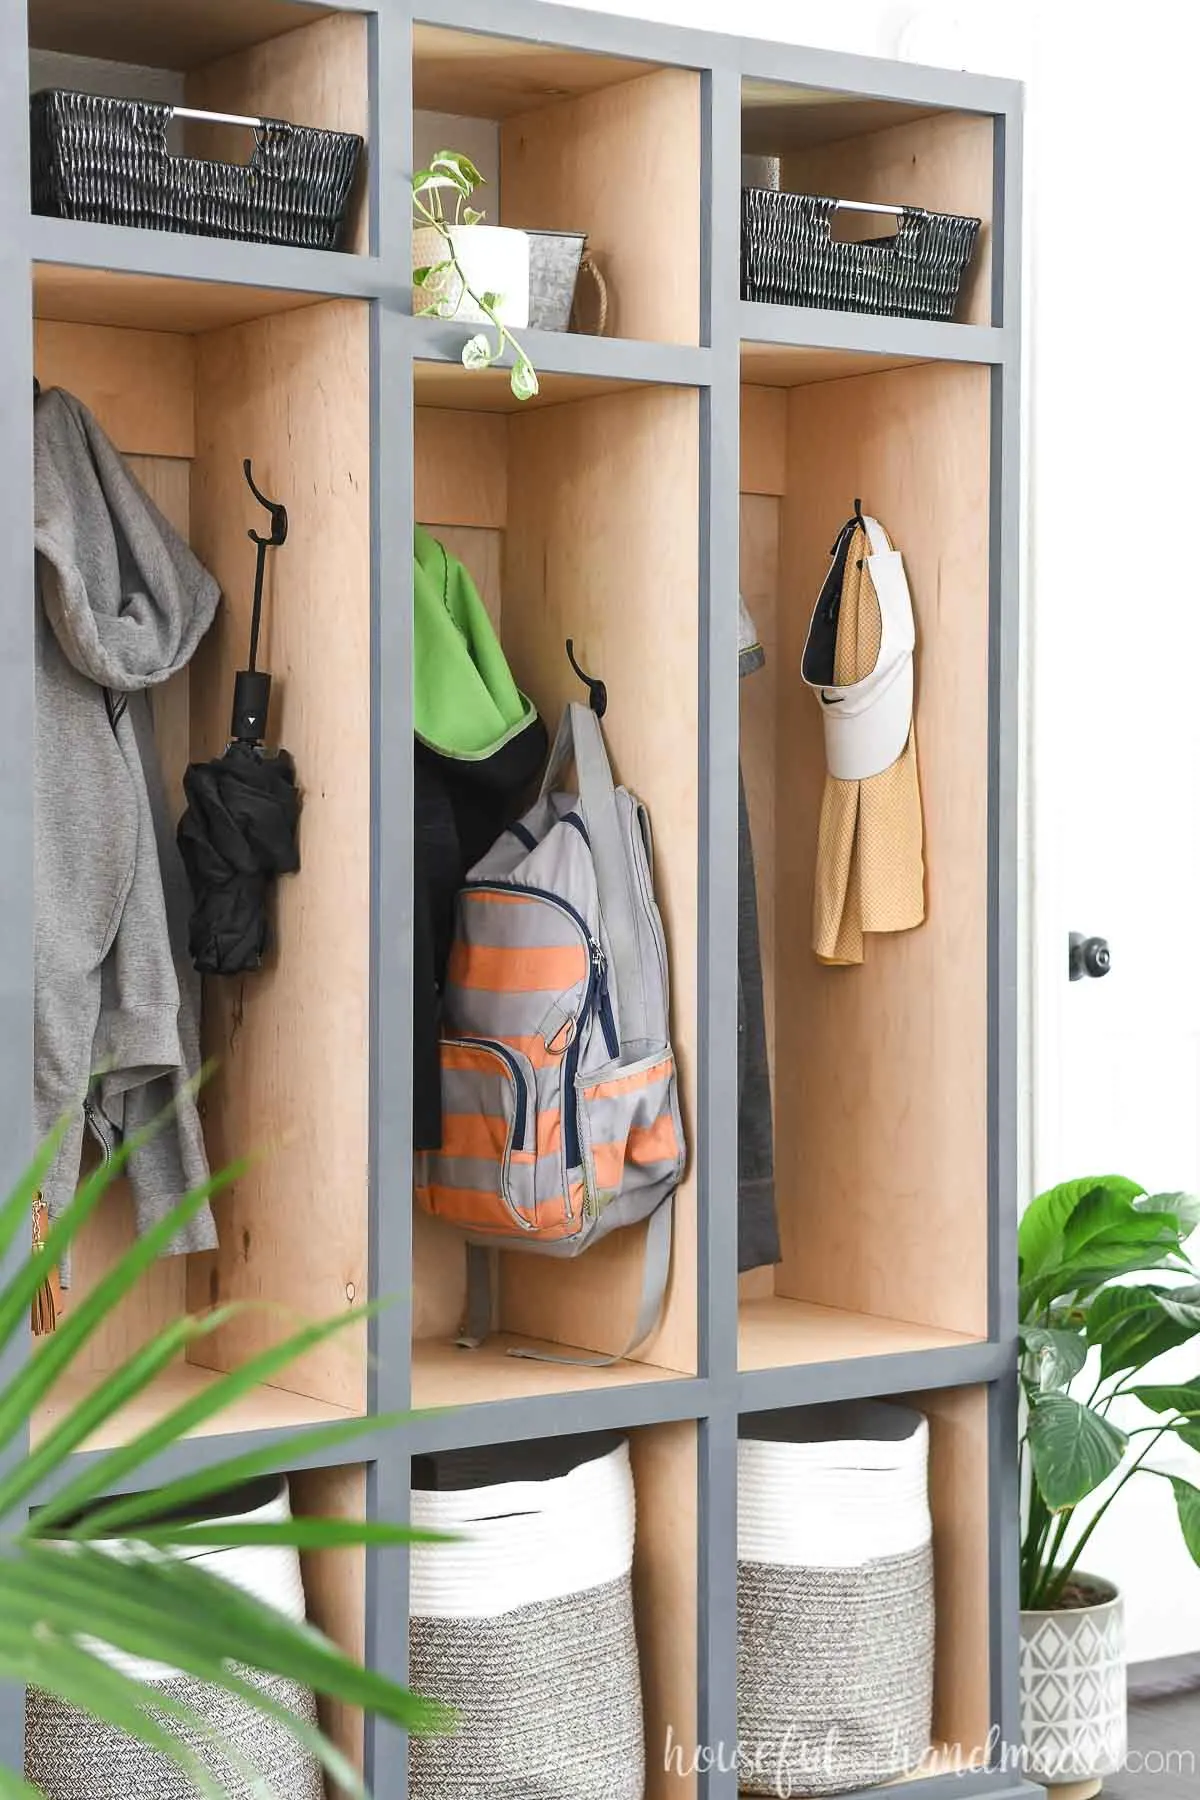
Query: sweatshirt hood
{"type": "Point", "coordinates": [124, 595]}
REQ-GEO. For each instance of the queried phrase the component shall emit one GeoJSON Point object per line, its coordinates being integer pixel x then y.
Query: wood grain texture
{"type": "Point", "coordinates": [139, 384]}
{"type": "Point", "coordinates": [665, 1565]}
{"type": "Point", "coordinates": [444, 1375]}
{"type": "Point", "coordinates": [795, 365]}
{"type": "Point", "coordinates": [774, 1332]}
{"type": "Point", "coordinates": [942, 162]}
{"type": "Point", "coordinates": [882, 1070]}
{"type": "Point", "coordinates": [764, 443]}
{"type": "Point", "coordinates": [776, 117]}
{"type": "Point", "coordinates": [602, 546]}
{"type": "Point", "coordinates": [460, 468]}
{"type": "Point", "coordinates": [174, 36]}
{"type": "Point", "coordinates": [581, 166]}
{"type": "Point", "coordinates": [291, 1040]}
{"type": "Point", "coordinates": [490, 390]}
{"type": "Point", "coordinates": [958, 1498]}
{"type": "Point", "coordinates": [157, 303]}
{"type": "Point", "coordinates": [492, 78]}
{"type": "Point", "coordinates": [262, 1409]}
{"type": "Point", "coordinates": [482, 555]}
{"type": "Point", "coordinates": [317, 75]}
{"type": "Point", "coordinates": [335, 1587]}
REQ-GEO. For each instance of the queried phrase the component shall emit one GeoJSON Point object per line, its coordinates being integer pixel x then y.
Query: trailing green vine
{"type": "Point", "coordinates": [450, 172]}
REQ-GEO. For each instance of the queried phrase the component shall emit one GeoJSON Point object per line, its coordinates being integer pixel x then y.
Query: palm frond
{"type": "Point", "coordinates": [63, 1599]}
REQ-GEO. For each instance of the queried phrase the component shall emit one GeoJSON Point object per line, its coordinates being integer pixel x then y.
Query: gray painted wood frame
{"type": "Point", "coordinates": [714, 1398]}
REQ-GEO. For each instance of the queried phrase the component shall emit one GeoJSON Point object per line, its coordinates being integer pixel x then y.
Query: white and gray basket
{"type": "Point", "coordinates": [525, 1625]}
{"type": "Point", "coordinates": [71, 1756]}
{"type": "Point", "coordinates": [835, 1598]}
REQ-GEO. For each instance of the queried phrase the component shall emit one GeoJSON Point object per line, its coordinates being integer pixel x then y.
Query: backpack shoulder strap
{"type": "Point", "coordinates": [479, 1315]}
{"type": "Point", "coordinates": [580, 735]}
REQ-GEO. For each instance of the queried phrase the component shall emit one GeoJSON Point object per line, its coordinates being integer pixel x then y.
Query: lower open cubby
{"type": "Point", "coordinates": [878, 1068]}
{"type": "Point", "coordinates": [576, 516]}
{"type": "Point", "coordinates": [209, 376]}
{"type": "Point", "coordinates": [562, 1624]}
{"type": "Point", "coordinates": [863, 1584]}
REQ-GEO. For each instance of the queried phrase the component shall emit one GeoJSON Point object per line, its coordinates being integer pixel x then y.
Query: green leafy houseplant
{"type": "Point", "coordinates": [451, 173]}
{"type": "Point", "coordinates": [58, 1591]}
{"type": "Point", "coordinates": [1088, 1331]}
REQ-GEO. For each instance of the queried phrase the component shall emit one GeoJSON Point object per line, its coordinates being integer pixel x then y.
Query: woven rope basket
{"type": "Point", "coordinates": [791, 258]}
{"type": "Point", "coordinates": [525, 1626]}
{"type": "Point", "coordinates": [71, 1756]}
{"type": "Point", "coordinates": [835, 1598]}
{"type": "Point", "coordinates": [107, 160]}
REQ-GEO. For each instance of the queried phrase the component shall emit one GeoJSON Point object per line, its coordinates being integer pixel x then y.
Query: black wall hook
{"type": "Point", "coordinates": [252, 688]}
{"type": "Point", "coordinates": [276, 508]}
{"type": "Point", "coordinates": [597, 692]}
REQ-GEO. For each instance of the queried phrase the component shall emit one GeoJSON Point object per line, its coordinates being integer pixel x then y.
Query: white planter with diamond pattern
{"type": "Point", "coordinates": [1073, 1707]}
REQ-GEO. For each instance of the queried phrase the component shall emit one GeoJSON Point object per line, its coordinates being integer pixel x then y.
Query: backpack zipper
{"type": "Point", "coordinates": [596, 999]}
{"type": "Point", "coordinates": [521, 1113]}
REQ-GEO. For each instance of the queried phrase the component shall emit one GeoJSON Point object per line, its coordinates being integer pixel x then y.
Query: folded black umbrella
{"type": "Point", "coordinates": [239, 832]}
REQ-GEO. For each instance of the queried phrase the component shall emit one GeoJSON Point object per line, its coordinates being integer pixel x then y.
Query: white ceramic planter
{"type": "Point", "coordinates": [494, 259]}
{"type": "Point", "coordinates": [1073, 1705]}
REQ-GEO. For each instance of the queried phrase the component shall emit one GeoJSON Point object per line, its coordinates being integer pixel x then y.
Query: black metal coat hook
{"type": "Point", "coordinates": [252, 689]}
{"type": "Point", "coordinates": [597, 692]}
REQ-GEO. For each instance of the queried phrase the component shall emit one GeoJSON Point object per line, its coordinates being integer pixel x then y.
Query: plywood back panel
{"type": "Point", "coordinates": [317, 75]}
{"type": "Point", "coordinates": [139, 384]}
{"type": "Point", "coordinates": [291, 392]}
{"type": "Point", "coordinates": [624, 166]}
{"type": "Point", "coordinates": [602, 546]}
{"type": "Point", "coordinates": [943, 162]}
{"type": "Point", "coordinates": [958, 1497]}
{"type": "Point", "coordinates": [882, 1126]}
{"type": "Point", "coordinates": [460, 468]}
{"type": "Point", "coordinates": [335, 1587]}
{"type": "Point", "coordinates": [764, 440]}
{"type": "Point", "coordinates": [665, 1568]}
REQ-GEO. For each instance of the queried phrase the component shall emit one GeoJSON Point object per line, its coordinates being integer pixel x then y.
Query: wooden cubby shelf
{"type": "Point", "coordinates": [554, 508]}
{"type": "Point", "coordinates": [605, 510]}
{"type": "Point", "coordinates": [564, 138]}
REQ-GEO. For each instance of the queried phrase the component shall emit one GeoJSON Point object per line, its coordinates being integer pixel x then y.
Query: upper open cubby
{"type": "Point", "coordinates": [885, 153]}
{"type": "Point", "coordinates": [249, 58]}
{"type": "Point", "coordinates": [880, 1069]}
{"type": "Point", "coordinates": [559, 509]}
{"type": "Point", "coordinates": [185, 394]}
{"type": "Point", "coordinates": [567, 141]}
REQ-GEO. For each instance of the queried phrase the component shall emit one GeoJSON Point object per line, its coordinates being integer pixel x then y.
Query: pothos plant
{"type": "Point", "coordinates": [1088, 1331]}
{"type": "Point", "coordinates": [450, 173]}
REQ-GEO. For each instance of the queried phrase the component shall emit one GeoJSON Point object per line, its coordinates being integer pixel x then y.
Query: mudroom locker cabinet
{"type": "Point", "coordinates": [705, 443]}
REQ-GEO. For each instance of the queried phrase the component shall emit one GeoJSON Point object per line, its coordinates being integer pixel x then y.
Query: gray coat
{"type": "Point", "coordinates": [121, 605]}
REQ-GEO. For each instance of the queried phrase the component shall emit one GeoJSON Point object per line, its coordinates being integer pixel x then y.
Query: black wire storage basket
{"type": "Point", "coordinates": [108, 160]}
{"type": "Point", "coordinates": [791, 258]}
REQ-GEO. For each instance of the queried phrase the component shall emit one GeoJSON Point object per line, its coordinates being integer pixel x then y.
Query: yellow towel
{"type": "Point", "coordinates": [870, 846]}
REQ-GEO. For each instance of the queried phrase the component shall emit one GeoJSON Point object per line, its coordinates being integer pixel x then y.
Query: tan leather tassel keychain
{"type": "Point", "coordinates": [47, 1302]}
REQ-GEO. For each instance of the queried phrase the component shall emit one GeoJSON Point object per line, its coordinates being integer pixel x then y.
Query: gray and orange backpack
{"type": "Point", "coordinates": [560, 1110]}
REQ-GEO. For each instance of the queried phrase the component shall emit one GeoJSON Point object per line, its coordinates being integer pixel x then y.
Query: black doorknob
{"type": "Point", "coordinates": [1088, 956]}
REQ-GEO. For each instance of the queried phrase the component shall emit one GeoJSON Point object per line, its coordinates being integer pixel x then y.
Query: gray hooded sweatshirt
{"type": "Point", "coordinates": [121, 605]}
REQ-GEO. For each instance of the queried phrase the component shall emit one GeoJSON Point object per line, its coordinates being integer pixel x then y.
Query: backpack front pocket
{"type": "Point", "coordinates": [482, 1178]}
{"type": "Point", "coordinates": [632, 1132]}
